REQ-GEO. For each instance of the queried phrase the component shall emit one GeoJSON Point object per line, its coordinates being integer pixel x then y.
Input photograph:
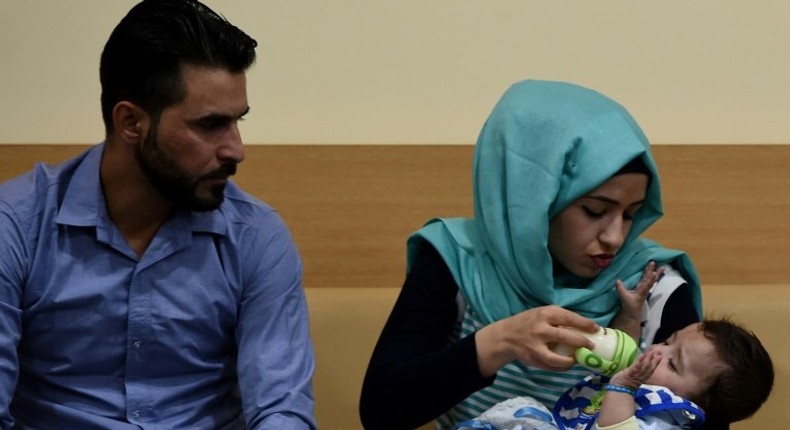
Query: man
{"type": "Point", "coordinates": [139, 287]}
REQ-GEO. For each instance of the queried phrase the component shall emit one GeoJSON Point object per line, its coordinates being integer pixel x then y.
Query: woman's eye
{"type": "Point", "coordinates": [591, 213]}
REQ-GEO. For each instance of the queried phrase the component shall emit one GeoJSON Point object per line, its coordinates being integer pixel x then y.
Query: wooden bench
{"type": "Point", "coordinates": [351, 208]}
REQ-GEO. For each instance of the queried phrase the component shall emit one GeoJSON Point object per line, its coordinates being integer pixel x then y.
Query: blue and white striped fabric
{"type": "Point", "coordinates": [657, 407]}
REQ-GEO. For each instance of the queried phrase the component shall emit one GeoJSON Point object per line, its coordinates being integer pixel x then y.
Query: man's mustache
{"type": "Point", "coordinates": [224, 171]}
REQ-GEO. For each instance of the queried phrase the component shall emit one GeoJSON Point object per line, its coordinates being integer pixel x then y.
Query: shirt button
{"type": "Point", "coordinates": [136, 415]}
{"type": "Point", "coordinates": [137, 344]}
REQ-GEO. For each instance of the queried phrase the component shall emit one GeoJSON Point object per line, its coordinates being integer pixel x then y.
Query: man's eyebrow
{"type": "Point", "coordinates": [223, 117]}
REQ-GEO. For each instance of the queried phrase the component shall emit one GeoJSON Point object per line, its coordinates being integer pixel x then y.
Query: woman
{"type": "Point", "coordinates": [564, 184]}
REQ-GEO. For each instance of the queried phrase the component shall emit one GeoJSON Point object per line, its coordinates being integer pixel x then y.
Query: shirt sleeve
{"type": "Point", "coordinates": [628, 424]}
{"type": "Point", "coordinates": [275, 355]}
{"type": "Point", "coordinates": [12, 257]}
{"type": "Point", "coordinates": [678, 312]}
{"type": "Point", "coordinates": [414, 374]}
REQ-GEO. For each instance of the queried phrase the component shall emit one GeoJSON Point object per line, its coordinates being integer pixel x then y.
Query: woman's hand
{"type": "Point", "coordinates": [529, 336]}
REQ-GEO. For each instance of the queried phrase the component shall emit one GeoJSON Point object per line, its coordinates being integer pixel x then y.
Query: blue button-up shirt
{"type": "Point", "coordinates": [207, 330]}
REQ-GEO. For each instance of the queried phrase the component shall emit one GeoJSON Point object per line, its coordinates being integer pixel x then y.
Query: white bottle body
{"type": "Point", "coordinates": [605, 341]}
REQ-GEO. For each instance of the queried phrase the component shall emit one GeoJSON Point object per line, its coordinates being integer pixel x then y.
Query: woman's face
{"type": "Point", "coordinates": [586, 235]}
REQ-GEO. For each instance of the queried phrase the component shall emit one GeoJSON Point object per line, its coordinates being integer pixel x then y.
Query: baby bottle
{"type": "Point", "coordinates": [614, 351]}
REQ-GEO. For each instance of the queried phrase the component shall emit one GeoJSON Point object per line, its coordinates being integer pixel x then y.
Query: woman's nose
{"type": "Point", "coordinates": [613, 234]}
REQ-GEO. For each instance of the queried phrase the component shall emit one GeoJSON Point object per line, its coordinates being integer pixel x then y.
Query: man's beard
{"type": "Point", "coordinates": [176, 185]}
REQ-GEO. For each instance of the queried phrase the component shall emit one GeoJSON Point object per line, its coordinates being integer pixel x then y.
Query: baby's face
{"type": "Point", "coordinates": [689, 363]}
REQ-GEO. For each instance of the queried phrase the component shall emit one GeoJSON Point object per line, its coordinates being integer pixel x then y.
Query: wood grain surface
{"type": "Point", "coordinates": [351, 207]}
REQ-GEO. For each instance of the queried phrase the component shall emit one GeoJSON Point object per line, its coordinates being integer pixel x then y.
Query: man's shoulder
{"type": "Point", "coordinates": [251, 220]}
{"type": "Point", "coordinates": [241, 206]}
{"type": "Point", "coordinates": [38, 187]}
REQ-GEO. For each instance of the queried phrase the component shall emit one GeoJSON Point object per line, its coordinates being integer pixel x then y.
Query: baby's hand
{"type": "Point", "coordinates": [633, 300]}
{"type": "Point", "coordinates": [640, 371]}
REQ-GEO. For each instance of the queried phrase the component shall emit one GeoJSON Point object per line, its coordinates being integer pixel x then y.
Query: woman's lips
{"type": "Point", "coordinates": [603, 261]}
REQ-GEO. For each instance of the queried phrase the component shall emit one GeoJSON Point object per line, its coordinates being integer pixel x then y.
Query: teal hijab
{"type": "Point", "coordinates": [545, 145]}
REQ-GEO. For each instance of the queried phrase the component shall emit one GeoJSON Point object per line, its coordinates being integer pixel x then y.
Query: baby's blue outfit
{"type": "Point", "coordinates": [657, 408]}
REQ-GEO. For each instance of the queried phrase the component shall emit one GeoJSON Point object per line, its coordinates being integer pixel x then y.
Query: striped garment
{"type": "Point", "coordinates": [518, 380]}
{"type": "Point", "coordinates": [656, 407]}
{"type": "Point", "coordinates": [513, 380]}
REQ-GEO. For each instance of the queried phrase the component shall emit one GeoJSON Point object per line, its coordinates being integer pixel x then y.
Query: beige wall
{"type": "Point", "coordinates": [429, 71]}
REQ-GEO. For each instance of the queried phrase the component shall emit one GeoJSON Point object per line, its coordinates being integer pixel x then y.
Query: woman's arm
{"type": "Point", "coordinates": [415, 374]}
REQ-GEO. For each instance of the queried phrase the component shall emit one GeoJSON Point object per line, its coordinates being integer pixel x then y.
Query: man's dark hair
{"type": "Point", "coordinates": [745, 382]}
{"type": "Point", "coordinates": [141, 61]}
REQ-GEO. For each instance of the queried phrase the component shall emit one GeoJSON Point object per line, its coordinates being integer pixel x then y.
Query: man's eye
{"type": "Point", "coordinates": [211, 124]}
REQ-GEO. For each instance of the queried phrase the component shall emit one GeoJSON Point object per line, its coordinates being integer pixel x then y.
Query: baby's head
{"type": "Point", "coordinates": [719, 365]}
{"type": "Point", "coordinates": [744, 381]}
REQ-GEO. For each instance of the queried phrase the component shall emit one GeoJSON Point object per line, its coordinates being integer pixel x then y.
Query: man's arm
{"type": "Point", "coordinates": [12, 257]}
{"type": "Point", "coordinates": [275, 354]}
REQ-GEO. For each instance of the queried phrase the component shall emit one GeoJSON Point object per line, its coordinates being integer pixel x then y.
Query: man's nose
{"type": "Point", "coordinates": [232, 148]}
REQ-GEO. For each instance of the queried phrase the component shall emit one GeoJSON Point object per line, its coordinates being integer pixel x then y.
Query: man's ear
{"type": "Point", "coordinates": [130, 122]}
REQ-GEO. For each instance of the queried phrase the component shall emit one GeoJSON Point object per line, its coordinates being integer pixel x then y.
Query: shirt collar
{"type": "Point", "coordinates": [83, 202]}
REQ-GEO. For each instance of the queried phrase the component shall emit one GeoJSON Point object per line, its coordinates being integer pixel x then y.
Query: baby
{"type": "Point", "coordinates": [713, 370]}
